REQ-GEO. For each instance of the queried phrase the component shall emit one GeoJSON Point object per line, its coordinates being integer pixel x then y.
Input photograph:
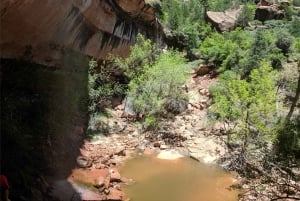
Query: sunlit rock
{"type": "Point", "coordinates": [169, 155]}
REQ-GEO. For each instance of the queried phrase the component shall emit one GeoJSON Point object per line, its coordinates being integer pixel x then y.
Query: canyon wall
{"type": "Point", "coordinates": [44, 50]}
{"type": "Point", "coordinates": [43, 31]}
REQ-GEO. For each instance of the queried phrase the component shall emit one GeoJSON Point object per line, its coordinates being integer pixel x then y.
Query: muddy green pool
{"type": "Point", "coordinates": [182, 179]}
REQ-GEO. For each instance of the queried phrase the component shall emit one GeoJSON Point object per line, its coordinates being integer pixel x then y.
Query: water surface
{"type": "Point", "coordinates": [176, 180]}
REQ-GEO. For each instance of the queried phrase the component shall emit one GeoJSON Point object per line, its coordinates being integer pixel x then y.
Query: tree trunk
{"type": "Point", "coordinates": [295, 100]}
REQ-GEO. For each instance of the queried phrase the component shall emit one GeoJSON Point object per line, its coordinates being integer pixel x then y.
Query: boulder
{"type": "Point", "coordinates": [120, 151]}
{"type": "Point", "coordinates": [169, 155]}
{"type": "Point", "coordinates": [224, 21]}
{"type": "Point", "coordinates": [99, 182]}
{"type": "Point", "coordinates": [204, 70]}
{"type": "Point", "coordinates": [114, 176]}
{"type": "Point", "coordinates": [264, 3]}
{"type": "Point", "coordinates": [266, 12]}
{"type": "Point", "coordinates": [83, 162]}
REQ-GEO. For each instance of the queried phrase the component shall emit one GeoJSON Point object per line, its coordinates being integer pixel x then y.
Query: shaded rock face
{"type": "Point", "coordinates": [43, 120]}
{"type": "Point", "coordinates": [43, 31]}
{"type": "Point", "coordinates": [44, 50]}
{"type": "Point", "coordinates": [224, 21]}
{"type": "Point", "coordinates": [268, 11]}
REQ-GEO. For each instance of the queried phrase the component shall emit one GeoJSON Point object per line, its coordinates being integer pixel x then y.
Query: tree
{"type": "Point", "coordinates": [247, 105]}
{"type": "Point", "coordinates": [289, 134]}
{"type": "Point", "coordinates": [295, 99]}
{"type": "Point", "coordinates": [257, 52]}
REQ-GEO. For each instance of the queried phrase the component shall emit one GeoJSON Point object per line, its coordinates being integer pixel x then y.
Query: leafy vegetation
{"type": "Point", "coordinates": [155, 82]}
{"type": "Point", "coordinates": [158, 90]}
{"type": "Point", "coordinates": [102, 87]}
{"type": "Point", "coordinates": [249, 106]}
{"type": "Point", "coordinates": [256, 94]}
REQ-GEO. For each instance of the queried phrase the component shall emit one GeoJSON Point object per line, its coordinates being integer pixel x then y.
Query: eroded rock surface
{"type": "Point", "coordinates": [268, 11]}
{"type": "Point", "coordinates": [43, 31]}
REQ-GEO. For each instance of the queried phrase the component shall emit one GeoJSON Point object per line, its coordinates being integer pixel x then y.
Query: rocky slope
{"type": "Point", "coordinates": [188, 133]}
{"type": "Point", "coordinates": [44, 31]}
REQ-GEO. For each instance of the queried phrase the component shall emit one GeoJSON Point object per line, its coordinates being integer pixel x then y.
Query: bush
{"type": "Point", "coordinates": [102, 87]}
{"type": "Point", "coordinates": [185, 20]}
{"type": "Point", "coordinates": [296, 2]}
{"type": "Point", "coordinates": [284, 42]}
{"type": "Point", "coordinates": [160, 84]}
{"type": "Point", "coordinates": [295, 27]}
{"type": "Point", "coordinates": [142, 53]}
{"type": "Point", "coordinates": [289, 141]}
{"type": "Point", "coordinates": [215, 48]}
{"type": "Point", "coordinates": [246, 16]}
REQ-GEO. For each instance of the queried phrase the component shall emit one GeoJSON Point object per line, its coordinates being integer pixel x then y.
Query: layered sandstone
{"type": "Point", "coordinates": [43, 31]}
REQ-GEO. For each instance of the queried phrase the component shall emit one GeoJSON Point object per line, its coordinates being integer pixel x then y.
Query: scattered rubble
{"type": "Point", "coordinates": [186, 135]}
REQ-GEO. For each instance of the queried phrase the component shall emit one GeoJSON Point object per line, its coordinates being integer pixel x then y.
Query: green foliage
{"type": "Point", "coordinates": [284, 42]}
{"type": "Point", "coordinates": [295, 27]}
{"type": "Point", "coordinates": [101, 86]}
{"type": "Point", "coordinates": [151, 123]}
{"type": "Point", "coordinates": [160, 83]}
{"type": "Point", "coordinates": [249, 105]}
{"type": "Point", "coordinates": [246, 16]}
{"type": "Point", "coordinates": [241, 50]}
{"type": "Point", "coordinates": [143, 53]}
{"type": "Point", "coordinates": [296, 2]}
{"type": "Point", "coordinates": [288, 12]}
{"type": "Point", "coordinates": [222, 5]}
{"type": "Point", "coordinates": [289, 141]}
{"type": "Point", "coordinates": [185, 20]}
{"type": "Point", "coordinates": [216, 48]}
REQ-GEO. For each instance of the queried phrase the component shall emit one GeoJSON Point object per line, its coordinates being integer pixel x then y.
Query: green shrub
{"type": "Point", "coordinates": [142, 53]}
{"type": "Point", "coordinates": [248, 105]}
{"type": "Point", "coordinates": [246, 16]}
{"type": "Point", "coordinates": [289, 141]}
{"type": "Point", "coordinates": [102, 87]}
{"type": "Point", "coordinates": [294, 29]}
{"type": "Point", "coordinates": [215, 48]}
{"type": "Point", "coordinates": [159, 84]}
{"type": "Point", "coordinates": [296, 2]}
{"type": "Point", "coordinates": [284, 42]}
{"type": "Point", "coordinates": [151, 123]}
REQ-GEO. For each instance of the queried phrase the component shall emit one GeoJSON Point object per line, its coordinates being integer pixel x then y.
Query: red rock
{"type": "Point", "coordinates": [52, 28]}
{"type": "Point", "coordinates": [114, 175]}
{"type": "Point", "coordinates": [99, 182]}
{"type": "Point", "coordinates": [115, 195]}
{"type": "Point", "coordinates": [107, 181]}
{"type": "Point", "coordinates": [120, 151]}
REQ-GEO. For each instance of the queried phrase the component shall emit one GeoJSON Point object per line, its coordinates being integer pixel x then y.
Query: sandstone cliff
{"type": "Point", "coordinates": [43, 31]}
{"type": "Point", "coordinates": [44, 45]}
